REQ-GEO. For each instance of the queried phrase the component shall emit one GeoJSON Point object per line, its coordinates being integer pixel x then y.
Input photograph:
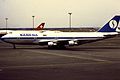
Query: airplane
{"type": "Point", "coordinates": [62, 39]}
{"type": "Point", "coordinates": [4, 32]}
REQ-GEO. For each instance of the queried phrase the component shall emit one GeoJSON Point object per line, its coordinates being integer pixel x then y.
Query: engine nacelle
{"type": "Point", "coordinates": [52, 43]}
{"type": "Point", "coordinates": [71, 43]}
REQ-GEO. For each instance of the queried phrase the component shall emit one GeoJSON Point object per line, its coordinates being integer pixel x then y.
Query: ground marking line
{"type": "Point", "coordinates": [68, 56]}
{"type": "Point", "coordinates": [50, 65]}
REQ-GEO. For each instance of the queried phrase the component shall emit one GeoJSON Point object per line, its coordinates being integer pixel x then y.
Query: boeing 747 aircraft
{"type": "Point", "coordinates": [60, 39]}
{"type": "Point", "coordinates": [3, 32]}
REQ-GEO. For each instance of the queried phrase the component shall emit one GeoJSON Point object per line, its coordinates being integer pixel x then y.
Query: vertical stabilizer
{"type": "Point", "coordinates": [40, 27]}
{"type": "Point", "coordinates": [111, 26]}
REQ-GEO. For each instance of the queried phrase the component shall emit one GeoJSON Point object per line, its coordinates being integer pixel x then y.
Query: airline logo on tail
{"type": "Point", "coordinates": [111, 26]}
{"type": "Point", "coordinates": [40, 27]}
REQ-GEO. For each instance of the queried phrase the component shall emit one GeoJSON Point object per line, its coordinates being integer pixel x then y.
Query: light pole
{"type": "Point", "coordinates": [33, 22]}
{"type": "Point", "coordinates": [70, 20]}
{"type": "Point", "coordinates": [6, 23]}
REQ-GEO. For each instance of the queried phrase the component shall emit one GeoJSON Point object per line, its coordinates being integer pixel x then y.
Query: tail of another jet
{"type": "Point", "coordinates": [40, 27]}
{"type": "Point", "coordinates": [111, 26]}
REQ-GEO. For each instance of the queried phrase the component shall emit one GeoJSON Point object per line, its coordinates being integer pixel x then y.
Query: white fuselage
{"type": "Point", "coordinates": [36, 37]}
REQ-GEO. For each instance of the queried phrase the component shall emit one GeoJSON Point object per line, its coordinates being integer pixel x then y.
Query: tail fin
{"type": "Point", "coordinates": [111, 26]}
{"type": "Point", "coordinates": [40, 27]}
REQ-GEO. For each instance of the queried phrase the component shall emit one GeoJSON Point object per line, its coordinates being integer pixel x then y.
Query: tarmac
{"type": "Point", "coordinates": [93, 61]}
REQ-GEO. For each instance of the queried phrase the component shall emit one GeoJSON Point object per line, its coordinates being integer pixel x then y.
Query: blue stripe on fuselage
{"type": "Point", "coordinates": [48, 37]}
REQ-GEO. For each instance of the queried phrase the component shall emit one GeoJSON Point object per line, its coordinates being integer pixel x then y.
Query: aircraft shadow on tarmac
{"type": "Point", "coordinates": [73, 48]}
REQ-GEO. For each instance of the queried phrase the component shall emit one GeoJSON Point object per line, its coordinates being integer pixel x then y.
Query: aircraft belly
{"type": "Point", "coordinates": [90, 38]}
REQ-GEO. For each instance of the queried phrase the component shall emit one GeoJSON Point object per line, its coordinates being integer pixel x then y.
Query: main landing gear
{"type": "Point", "coordinates": [14, 47]}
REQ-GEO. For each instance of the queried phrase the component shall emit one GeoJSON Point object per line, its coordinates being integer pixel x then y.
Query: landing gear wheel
{"type": "Point", "coordinates": [57, 47]}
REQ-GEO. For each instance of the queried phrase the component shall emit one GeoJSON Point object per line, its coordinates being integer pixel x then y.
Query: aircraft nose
{"type": "Point", "coordinates": [2, 38]}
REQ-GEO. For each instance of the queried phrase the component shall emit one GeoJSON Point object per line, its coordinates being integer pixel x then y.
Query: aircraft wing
{"type": "Point", "coordinates": [66, 41]}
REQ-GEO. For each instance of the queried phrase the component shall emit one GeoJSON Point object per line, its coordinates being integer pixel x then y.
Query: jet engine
{"type": "Point", "coordinates": [71, 43]}
{"type": "Point", "coordinates": [52, 43]}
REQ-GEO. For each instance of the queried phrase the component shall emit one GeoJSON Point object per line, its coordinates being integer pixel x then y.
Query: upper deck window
{"type": "Point", "coordinates": [10, 32]}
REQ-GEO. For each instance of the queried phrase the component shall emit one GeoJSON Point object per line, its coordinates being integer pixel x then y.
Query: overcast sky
{"type": "Point", "coordinates": [55, 12]}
